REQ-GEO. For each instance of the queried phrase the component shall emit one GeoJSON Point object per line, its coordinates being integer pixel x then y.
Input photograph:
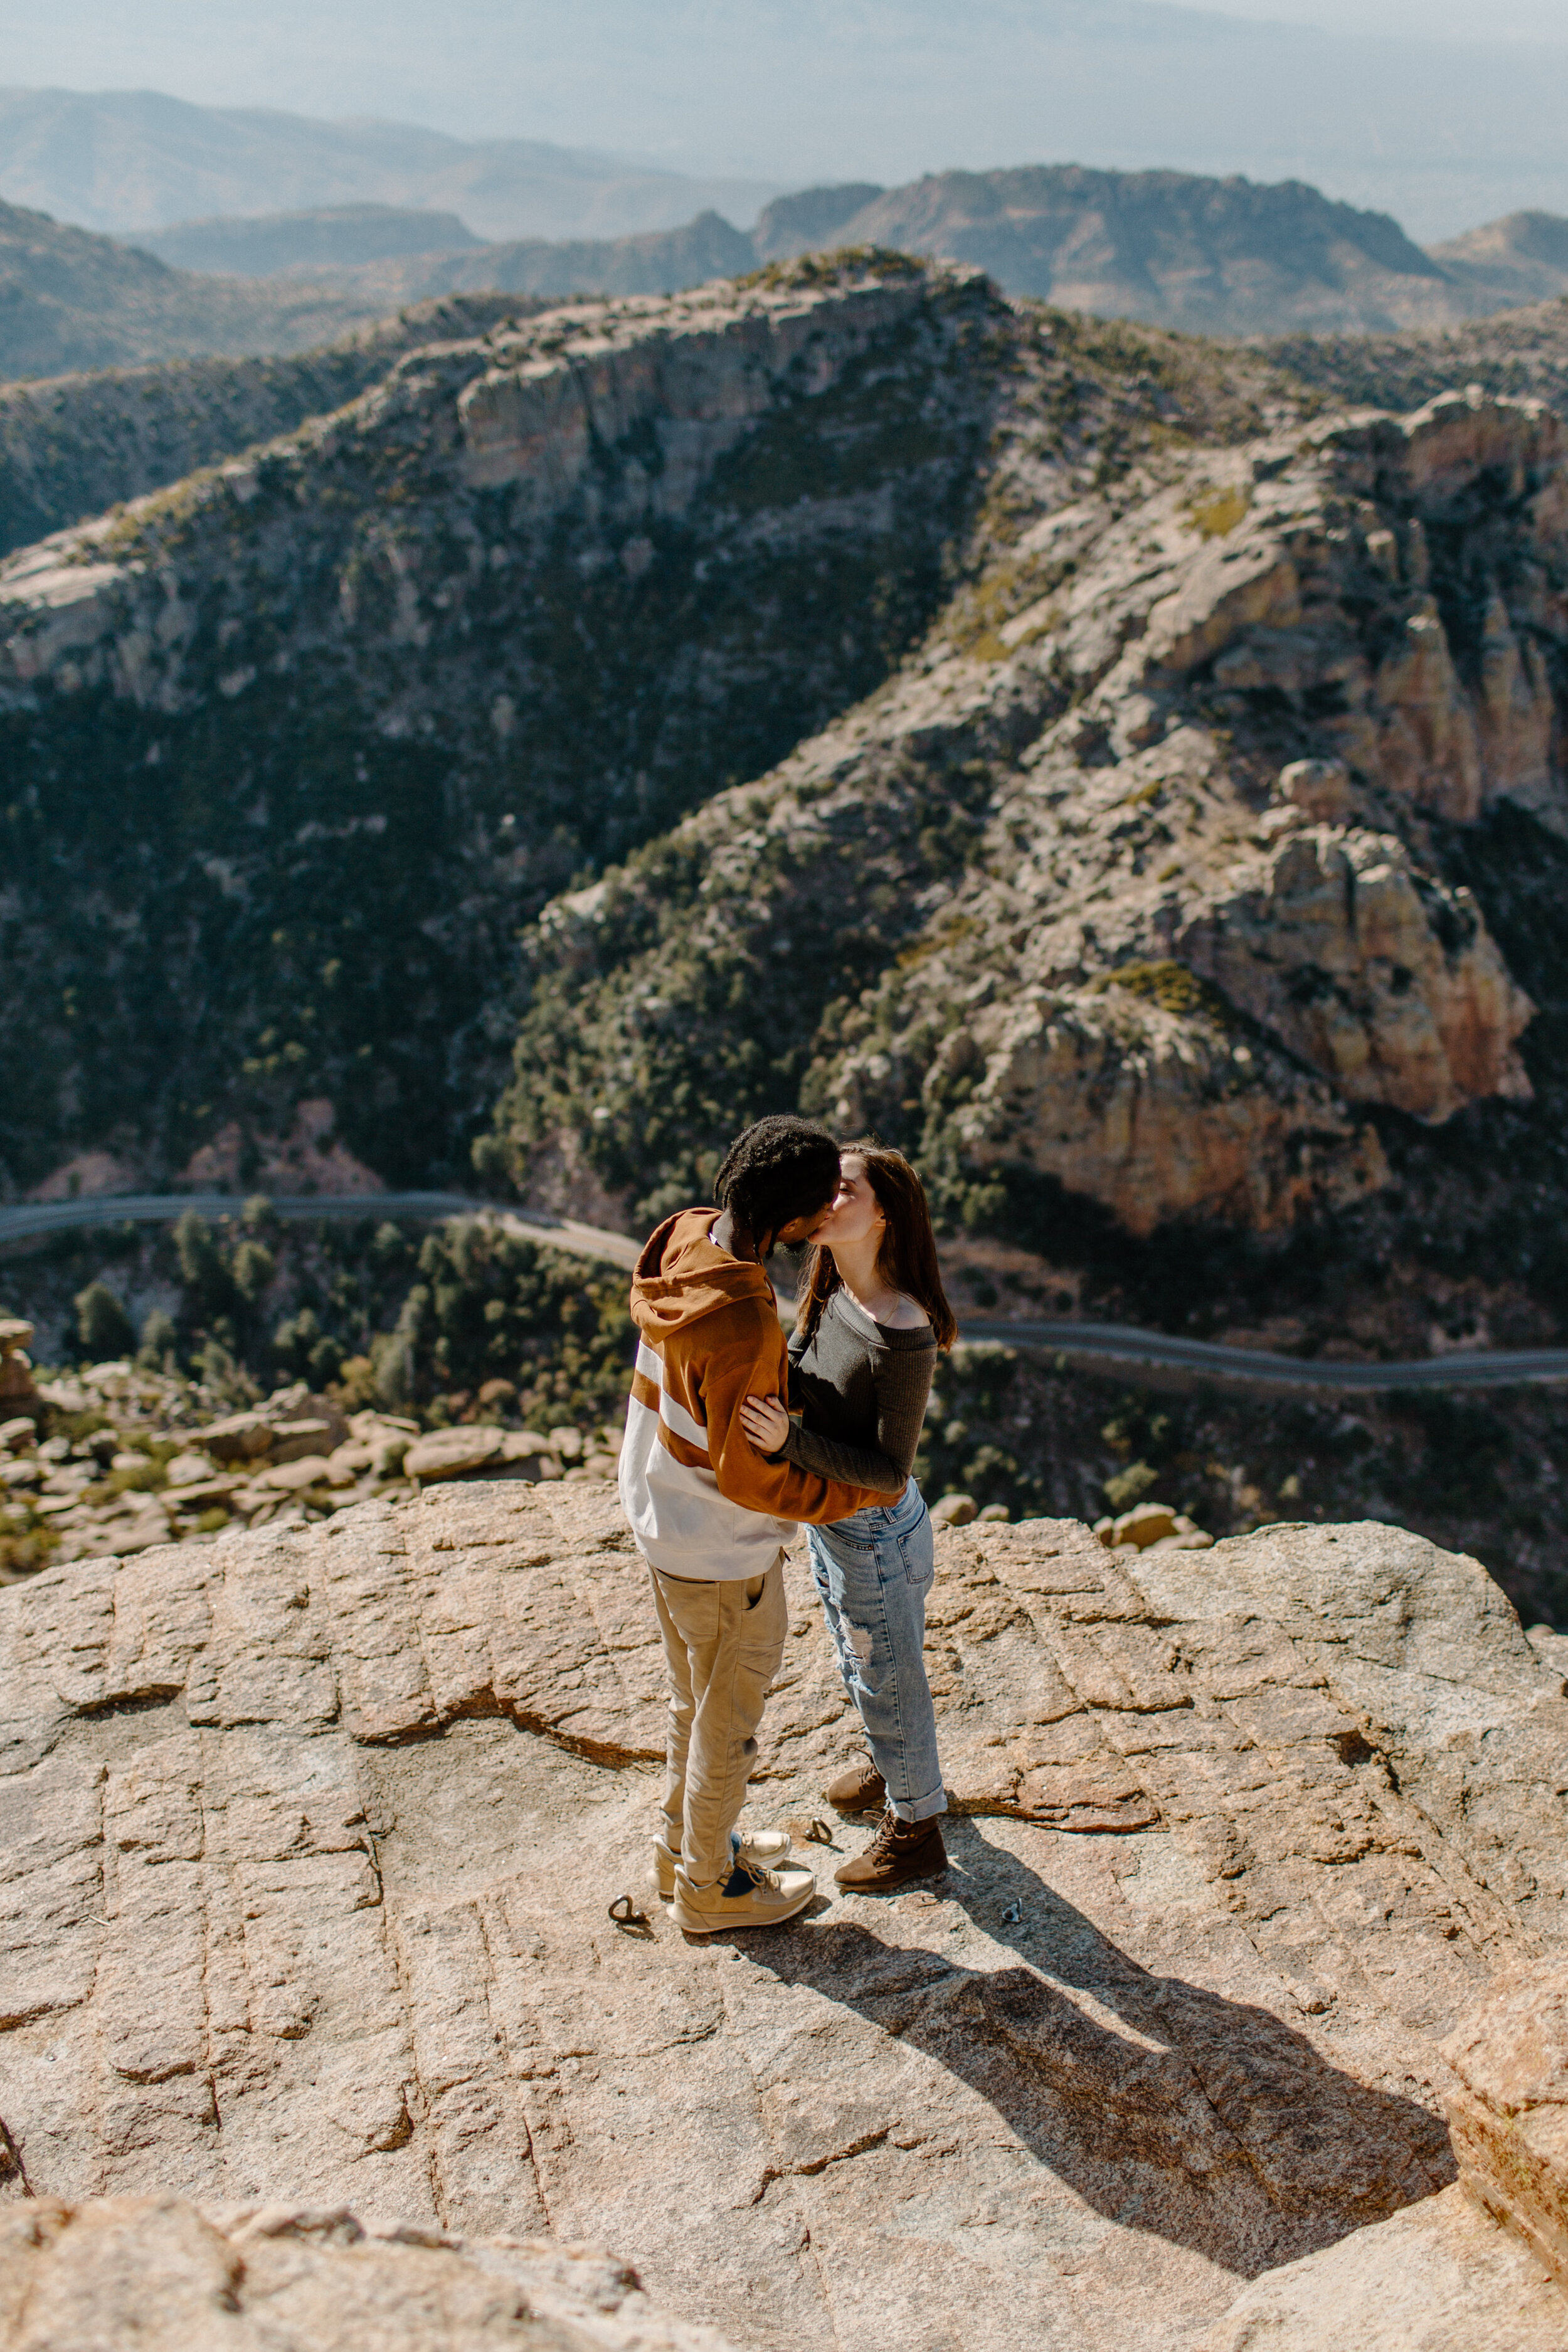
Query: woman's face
{"type": "Point", "coordinates": [855, 1213]}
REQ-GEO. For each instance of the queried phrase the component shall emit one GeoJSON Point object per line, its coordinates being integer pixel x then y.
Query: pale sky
{"type": "Point", "coordinates": [551, 68]}
{"type": "Point", "coordinates": [1420, 20]}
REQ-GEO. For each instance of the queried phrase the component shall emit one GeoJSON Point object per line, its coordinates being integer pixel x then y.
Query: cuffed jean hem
{"type": "Point", "coordinates": [872, 1573]}
{"type": "Point", "coordinates": [917, 1809]}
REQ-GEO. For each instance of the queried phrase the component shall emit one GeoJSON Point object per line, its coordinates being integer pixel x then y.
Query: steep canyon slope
{"type": "Point", "coordinates": [295, 747]}
{"type": "Point", "coordinates": [1160, 878]}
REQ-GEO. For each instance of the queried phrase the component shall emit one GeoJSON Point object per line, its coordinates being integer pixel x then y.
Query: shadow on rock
{"type": "Point", "coordinates": [1166, 2107]}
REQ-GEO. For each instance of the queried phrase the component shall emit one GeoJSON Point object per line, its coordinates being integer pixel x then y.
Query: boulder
{"type": "Point", "coordinates": [525, 1454]}
{"type": "Point", "coordinates": [317, 1428]}
{"type": "Point", "coordinates": [187, 1469]}
{"type": "Point", "coordinates": [240, 1437]}
{"type": "Point", "coordinates": [1144, 1523]}
{"type": "Point", "coordinates": [293, 1477]}
{"type": "Point", "coordinates": [1508, 2114]}
{"type": "Point", "coordinates": [1320, 788]}
{"type": "Point", "coordinates": [450, 1453]}
{"type": "Point", "coordinates": [289, 1425]}
{"type": "Point", "coordinates": [309, 1837]}
{"type": "Point", "coordinates": [292, 2278]}
{"type": "Point", "coordinates": [954, 1511]}
{"type": "Point", "coordinates": [200, 1493]}
{"type": "Point", "coordinates": [16, 1389]}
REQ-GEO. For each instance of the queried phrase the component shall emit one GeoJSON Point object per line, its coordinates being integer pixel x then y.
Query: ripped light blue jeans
{"type": "Point", "coordinates": [873, 1572]}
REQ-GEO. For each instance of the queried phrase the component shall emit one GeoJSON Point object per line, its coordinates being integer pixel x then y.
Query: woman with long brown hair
{"type": "Point", "coordinates": [872, 1317]}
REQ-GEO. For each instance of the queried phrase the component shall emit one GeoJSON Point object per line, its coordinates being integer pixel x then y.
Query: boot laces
{"type": "Point", "coordinates": [885, 1844]}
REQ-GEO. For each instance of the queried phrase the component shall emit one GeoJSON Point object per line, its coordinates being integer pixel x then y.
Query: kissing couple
{"type": "Point", "coordinates": [732, 1440]}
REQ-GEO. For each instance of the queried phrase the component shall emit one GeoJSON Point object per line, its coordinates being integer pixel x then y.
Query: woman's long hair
{"type": "Point", "coordinates": [907, 1260]}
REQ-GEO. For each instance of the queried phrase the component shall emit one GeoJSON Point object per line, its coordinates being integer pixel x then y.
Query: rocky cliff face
{"type": "Point", "coordinates": [72, 445]}
{"type": "Point", "coordinates": [1211, 743]}
{"type": "Point", "coordinates": [302, 741]}
{"type": "Point", "coordinates": [310, 1838]}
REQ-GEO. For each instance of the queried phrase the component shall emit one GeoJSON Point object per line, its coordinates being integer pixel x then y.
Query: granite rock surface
{"type": "Point", "coordinates": [1438, 2277]}
{"type": "Point", "coordinates": [309, 1839]}
{"type": "Point", "coordinates": [1510, 2114]}
{"type": "Point", "coordinates": [281, 2278]}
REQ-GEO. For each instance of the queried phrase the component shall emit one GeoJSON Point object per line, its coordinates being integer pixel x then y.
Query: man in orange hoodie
{"type": "Point", "coordinates": [711, 1515]}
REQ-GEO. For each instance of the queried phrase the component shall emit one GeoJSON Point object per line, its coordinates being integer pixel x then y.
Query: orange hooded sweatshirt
{"type": "Point", "coordinates": [702, 1502]}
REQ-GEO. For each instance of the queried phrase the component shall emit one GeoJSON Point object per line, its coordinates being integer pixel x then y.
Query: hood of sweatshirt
{"type": "Point", "coordinates": [680, 1277]}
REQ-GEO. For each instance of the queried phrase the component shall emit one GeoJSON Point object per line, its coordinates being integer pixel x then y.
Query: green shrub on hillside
{"type": "Point", "coordinates": [421, 1320]}
{"type": "Point", "coordinates": [102, 1325]}
{"type": "Point", "coordinates": [490, 1305]}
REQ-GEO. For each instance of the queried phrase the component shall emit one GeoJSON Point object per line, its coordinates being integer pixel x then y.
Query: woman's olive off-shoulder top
{"type": "Point", "coordinates": [860, 1387]}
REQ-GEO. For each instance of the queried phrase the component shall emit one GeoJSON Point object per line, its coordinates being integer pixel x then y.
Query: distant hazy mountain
{"type": "Point", "coordinates": [662, 262]}
{"type": "Point", "coordinates": [1212, 256]}
{"type": "Point", "coordinates": [1523, 257]}
{"type": "Point", "coordinates": [1439, 132]}
{"type": "Point", "coordinates": [127, 161]}
{"type": "Point", "coordinates": [71, 299]}
{"type": "Point", "coordinates": [330, 236]}
{"type": "Point", "coordinates": [1208, 257]}
{"type": "Point", "coordinates": [804, 223]}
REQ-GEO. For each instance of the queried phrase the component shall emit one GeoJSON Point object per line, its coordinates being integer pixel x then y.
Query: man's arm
{"type": "Point", "coordinates": [752, 1362]}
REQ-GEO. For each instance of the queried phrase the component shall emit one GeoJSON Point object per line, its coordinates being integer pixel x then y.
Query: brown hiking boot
{"type": "Point", "coordinates": [860, 1789]}
{"type": "Point", "coordinates": [899, 1851]}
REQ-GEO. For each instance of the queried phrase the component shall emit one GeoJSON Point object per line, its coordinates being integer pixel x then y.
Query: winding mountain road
{"type": "Point", "coordinates": [1107, 1343]}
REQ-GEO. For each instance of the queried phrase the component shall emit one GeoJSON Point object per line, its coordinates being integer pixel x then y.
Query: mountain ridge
{"type": "Point", "coordinates": [1214, 256]}
{"type": "Point", "coordinates": [73, 446]}
{"type": "Point", "coordinates": [266, 245]}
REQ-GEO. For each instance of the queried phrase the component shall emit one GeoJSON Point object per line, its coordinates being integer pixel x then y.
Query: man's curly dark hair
{"type": "Point", "coordinates": [779, 1168]}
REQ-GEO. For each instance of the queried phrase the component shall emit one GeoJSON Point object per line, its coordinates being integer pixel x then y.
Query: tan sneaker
{"type": "Point", "coordinates": [763, 1847]}
{"type": "Point", "coordinates": [749, 1897]}
{"type": "Point", "coordinates": [860, 1789]}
